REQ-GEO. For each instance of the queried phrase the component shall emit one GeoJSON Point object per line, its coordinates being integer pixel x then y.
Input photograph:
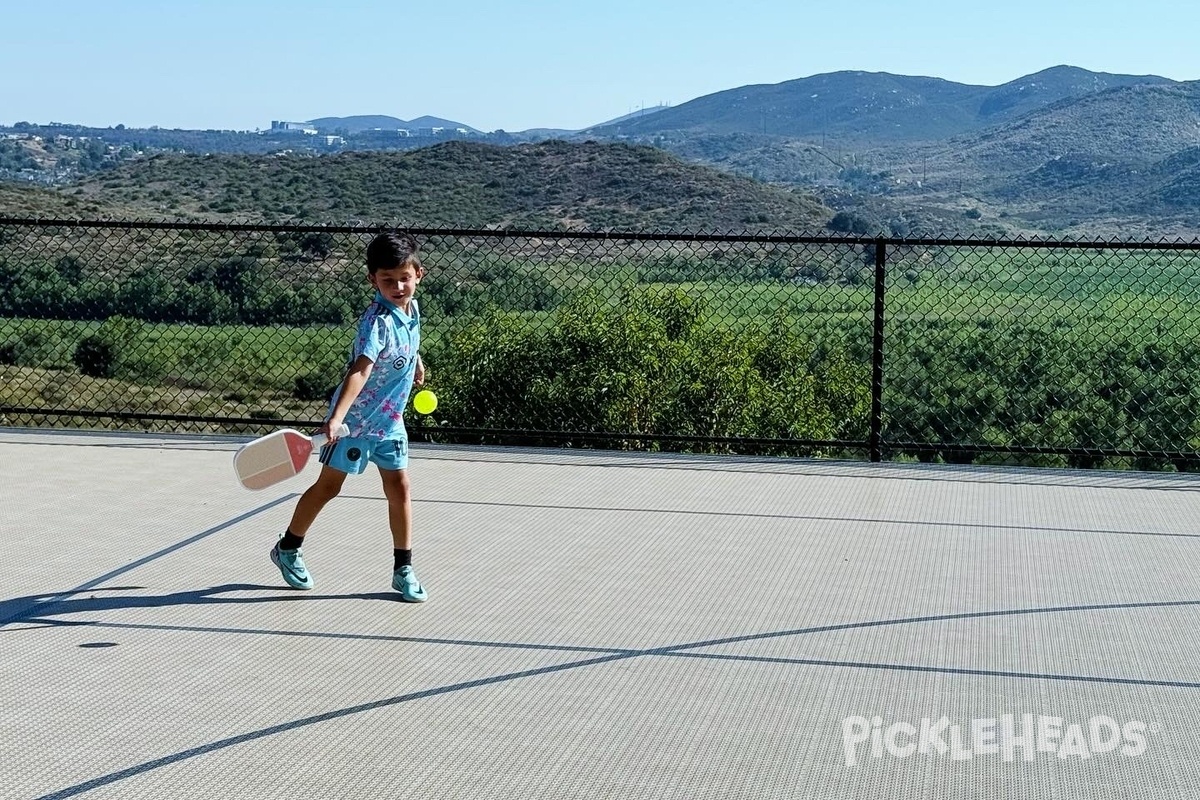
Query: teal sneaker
{"type": "Point", "coordinates": [291, 566]}
{"type": "Point", "coordinates": [404, 581]}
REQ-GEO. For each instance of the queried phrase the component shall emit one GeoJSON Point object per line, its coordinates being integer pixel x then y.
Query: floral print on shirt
{"type": "Point", "coordinates": [391, 339]}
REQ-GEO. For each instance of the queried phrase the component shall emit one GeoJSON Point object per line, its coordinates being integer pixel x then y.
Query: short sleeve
{"type": "Point", "coordinates": [371, 339]}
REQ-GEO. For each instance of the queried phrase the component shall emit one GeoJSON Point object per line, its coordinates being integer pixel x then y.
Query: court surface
{"type": "Point", "coordinates": [600, 625]}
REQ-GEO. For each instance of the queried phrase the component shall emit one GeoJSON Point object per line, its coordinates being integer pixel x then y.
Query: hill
{"type": "Point", "coordinates": [1064, 151]}
{"type": "Point", "coordinates": [371, 122]}
{"type": "Point", "coordinates": [553, 184]}
{"type": "Point", "coordinates": [1051, 86]}
{"type": "Point", "coordinates": [1116, 161]}
{"type": "Point", "coordinates": [23, 200]}
{"type": "Point", "coordinates": [632, 115]}
{"type": "Point", "coordinates": [355, 124]}
{"type": "Point", "coordinates": [870, 107]}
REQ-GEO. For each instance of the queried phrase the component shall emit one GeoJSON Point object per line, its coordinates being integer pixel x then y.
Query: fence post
{"type": "Point", "coordinates": [876, 434]}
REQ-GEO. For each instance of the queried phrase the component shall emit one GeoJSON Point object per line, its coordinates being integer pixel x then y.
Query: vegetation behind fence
{"type": "Point", "coordinates": [1056, 353]}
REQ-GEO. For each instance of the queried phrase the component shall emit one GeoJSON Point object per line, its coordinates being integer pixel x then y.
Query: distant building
{"type": "Point", "coordinates": [279, 126]}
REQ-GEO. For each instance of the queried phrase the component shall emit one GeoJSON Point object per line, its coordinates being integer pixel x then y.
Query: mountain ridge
{"type": "Point", "coordinates": [366, 122]}
{"type": "Point", "coordinates": [862, 105]}
{"type": "Point", "coordinates": [1064, 150]}
{"type": "Point", "coordinates": [554, 185]}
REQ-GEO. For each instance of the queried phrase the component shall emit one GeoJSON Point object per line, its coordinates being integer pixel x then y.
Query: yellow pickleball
{"type": "Point", "coordinates": [425, 402]}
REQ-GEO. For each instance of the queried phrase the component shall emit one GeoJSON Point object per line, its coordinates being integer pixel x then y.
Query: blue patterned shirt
{"type": "Point", "coordinates": [391, 339]}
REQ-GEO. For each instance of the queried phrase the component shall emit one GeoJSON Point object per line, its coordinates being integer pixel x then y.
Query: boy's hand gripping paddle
{"type": "Point", "coordinates": [276, 457]}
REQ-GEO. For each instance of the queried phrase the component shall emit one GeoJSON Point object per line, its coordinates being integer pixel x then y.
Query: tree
{"type": "Point", "coordinates": [317, 244]}
{"type": "Point", "coordinates": [849, 222]}
{"type": "Point", "coordinates": [240, 279]}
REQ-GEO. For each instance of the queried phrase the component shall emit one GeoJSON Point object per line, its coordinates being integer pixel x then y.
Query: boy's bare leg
{"type": "Point", "coordinates": [326, 487]}
{"type": "Point", "coordinates": [396, 489]}
{"type": "Point", "coordinates": [286, 553]}
{"type": "Point", "coordinates": [404, 580]}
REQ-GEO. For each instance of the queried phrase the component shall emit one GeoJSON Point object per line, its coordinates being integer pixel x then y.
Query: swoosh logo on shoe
{"type": "Point", "coordinates": [298, 574]}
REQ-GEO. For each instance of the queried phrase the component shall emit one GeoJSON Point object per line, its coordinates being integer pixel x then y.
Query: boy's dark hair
{"type": "Point", "coordinates": [392, 249]}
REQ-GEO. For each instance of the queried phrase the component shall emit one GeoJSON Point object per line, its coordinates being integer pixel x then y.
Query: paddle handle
{"type": "Point", "coordinates": [319, 440]}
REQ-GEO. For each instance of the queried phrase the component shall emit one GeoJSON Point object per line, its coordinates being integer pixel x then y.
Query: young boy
{"type": "Point", "coordinates": [384, 364]}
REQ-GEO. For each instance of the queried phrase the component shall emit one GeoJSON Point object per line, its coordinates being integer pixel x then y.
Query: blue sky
{"type": "Point", "coordinates": [518, 65]}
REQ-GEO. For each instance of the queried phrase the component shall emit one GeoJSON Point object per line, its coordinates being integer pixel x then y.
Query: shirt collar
{"type": "Point", "coordinates": [393, 309]}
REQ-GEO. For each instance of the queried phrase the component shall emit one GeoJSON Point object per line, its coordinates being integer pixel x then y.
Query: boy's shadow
{"type": "Point", "coordinates": [43, 610]}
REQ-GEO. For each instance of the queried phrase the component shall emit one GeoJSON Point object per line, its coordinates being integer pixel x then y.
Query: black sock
{"type": "Point", "coordinates": [290, 541]}
{"type": "Point", "coordinates": [403, 558]}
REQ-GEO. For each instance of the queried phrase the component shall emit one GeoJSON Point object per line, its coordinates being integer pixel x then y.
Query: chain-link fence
{"type": "Point", "coordinates": [1056, 353]}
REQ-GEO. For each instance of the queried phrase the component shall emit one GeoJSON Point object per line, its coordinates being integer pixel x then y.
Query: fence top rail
{"type": "Point", "coordinates": [618, 235]}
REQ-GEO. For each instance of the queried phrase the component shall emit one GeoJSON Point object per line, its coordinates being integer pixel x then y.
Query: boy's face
{"type": "Point", "coordinates": [396, 284]}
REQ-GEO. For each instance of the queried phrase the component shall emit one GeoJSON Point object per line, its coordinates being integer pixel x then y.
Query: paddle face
{"type": "Point", "coordinates": [272, 458]}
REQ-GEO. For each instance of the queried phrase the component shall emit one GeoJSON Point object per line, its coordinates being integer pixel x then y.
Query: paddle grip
{"type": "Point", "coordinates": [319, 439]}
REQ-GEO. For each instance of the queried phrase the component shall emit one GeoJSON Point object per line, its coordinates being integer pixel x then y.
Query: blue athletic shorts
{"type": "Point", "coordinates": [352, 455]}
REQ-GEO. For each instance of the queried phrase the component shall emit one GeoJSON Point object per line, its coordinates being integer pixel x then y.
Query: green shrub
{"type": "Point", "coordinates": [96, 356]}
{"type": "Point", "coordinates": [31, 348]}
{"type": "Point", "coordinates": [316, 384]}
{"type": "Point", "coordinates": [649, 361]}
{"type": "Point", "coordinates": [119, 349]}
